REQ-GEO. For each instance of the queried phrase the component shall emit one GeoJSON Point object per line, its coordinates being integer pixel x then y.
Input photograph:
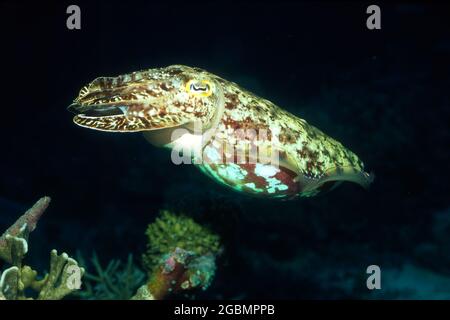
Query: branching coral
{"type": "Point", "coordinates": [63, 278]}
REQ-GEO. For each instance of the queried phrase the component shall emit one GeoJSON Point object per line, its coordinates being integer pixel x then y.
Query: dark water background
{"type": "Point", "coordinates": [384, 94]}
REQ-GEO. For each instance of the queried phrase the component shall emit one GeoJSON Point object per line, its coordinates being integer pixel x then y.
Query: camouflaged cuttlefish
{"type": "Point", "coordinates": [237, 138]}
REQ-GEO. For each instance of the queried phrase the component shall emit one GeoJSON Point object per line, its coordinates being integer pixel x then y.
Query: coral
{"type": "Point", "coordinates": [29, 219]}
{"type": "Point", "coordinates": [63, 278]}
{"type": "Point", "coordinates": [178, 271]}
{"type": "Point", "coordinates": [118, 281]}
{"type": "Point", "coordinates": [171, 231]}
{"type": "Point", "coordinates": [181, 256]}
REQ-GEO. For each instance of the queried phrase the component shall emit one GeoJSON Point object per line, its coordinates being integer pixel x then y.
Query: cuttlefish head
{"type": "Point", "coordinates": [149, 100]}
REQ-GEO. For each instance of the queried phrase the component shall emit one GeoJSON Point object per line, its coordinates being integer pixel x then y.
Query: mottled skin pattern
{"type": "Point", "coordinates": [233, 122]}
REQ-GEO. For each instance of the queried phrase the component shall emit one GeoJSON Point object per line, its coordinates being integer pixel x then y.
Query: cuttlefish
{"type": "Point", "coordinates": [237, 138]}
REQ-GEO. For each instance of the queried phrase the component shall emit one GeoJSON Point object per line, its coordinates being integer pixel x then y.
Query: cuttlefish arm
{"type": "Point", "coordinates": [146, 101]}
{"type": "Point", "coordinates": [211, 112]}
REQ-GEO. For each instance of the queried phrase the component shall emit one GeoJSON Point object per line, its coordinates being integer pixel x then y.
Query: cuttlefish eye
{"type": "Point", "coordinates": [196, 87]}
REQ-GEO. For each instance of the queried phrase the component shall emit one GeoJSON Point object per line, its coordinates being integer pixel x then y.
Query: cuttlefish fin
{"type": "Point", "coordinates": [336, 175]}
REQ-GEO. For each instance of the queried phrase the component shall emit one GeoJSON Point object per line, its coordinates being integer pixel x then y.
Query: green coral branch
{"type": "Point", "coordinates": [116, 281]}
{"type": "Point", "coordinates": [64, 277]}
{"type": "Point", "coordinates": [9, 283]}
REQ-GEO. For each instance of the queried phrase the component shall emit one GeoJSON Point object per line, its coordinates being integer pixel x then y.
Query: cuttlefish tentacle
{"type": "Point", "coordinates": [190, 108]}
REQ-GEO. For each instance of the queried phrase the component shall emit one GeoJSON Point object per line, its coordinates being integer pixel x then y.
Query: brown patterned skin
{"type": "Point", "coordinates": [231, 123]}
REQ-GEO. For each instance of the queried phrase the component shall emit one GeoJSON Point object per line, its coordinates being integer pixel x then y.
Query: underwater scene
{"type": "Point", "coordinates": [224, 151]}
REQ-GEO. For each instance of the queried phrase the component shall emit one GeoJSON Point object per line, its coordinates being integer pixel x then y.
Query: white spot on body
{"type": "Point", "coordinates": [265, 171]}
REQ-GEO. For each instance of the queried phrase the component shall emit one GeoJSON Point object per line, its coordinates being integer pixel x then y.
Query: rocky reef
{"type": "Point", "coordinates": [181, 256]}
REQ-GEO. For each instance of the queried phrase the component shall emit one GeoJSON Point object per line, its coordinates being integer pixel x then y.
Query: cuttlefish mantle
{"type": "Point", "coordinates": [237, 138]}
